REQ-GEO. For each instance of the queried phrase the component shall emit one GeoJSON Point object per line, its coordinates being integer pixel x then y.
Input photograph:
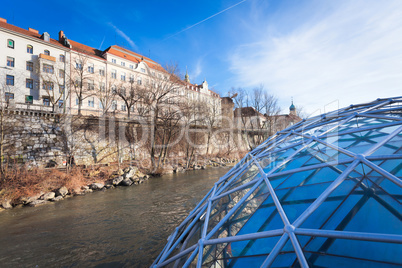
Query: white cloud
{"type": "Point", "coordinates": [196, 72]}
{"type": "Point", "coordinates": [125, 37]}
{"type": "Point", "coordinates": [351, 54]}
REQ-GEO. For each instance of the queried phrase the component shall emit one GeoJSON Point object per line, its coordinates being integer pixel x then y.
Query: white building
{"type": "Point", "coordinates": [33, 68]}
{"type": "Point", "coordinates": [38, 72]}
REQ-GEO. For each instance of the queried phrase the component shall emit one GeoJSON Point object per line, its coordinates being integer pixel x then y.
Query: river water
{"type": "Point", "coordinates": [122, 227]}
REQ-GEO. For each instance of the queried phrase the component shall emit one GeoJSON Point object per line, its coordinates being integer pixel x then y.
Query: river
{"type": "Point", "coordinates": [122, 227]}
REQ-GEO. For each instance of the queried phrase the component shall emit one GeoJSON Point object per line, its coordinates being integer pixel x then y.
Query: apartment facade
{"type": "Point", "coordinates": [62, 75]}
{"type": "Point", "coordinates": [33, 69]}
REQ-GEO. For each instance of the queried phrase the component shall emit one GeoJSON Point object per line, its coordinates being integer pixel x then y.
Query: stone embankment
{"type": "Point", "coordinates": [128, 177]}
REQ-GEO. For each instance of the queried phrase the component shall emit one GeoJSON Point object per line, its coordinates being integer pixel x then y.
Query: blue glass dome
{"type": "Point", "coordinates": [325, 192]}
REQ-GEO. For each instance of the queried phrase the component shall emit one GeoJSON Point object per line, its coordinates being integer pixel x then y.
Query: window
{"type": "Point", "coordinates": [123, 63]}
{"type": "Point", "coordinates": [29, 83]}
{"type": "Point", "coordinates": [61, 73]}
{"type": "Point", "coordinates": [123, 76]}
{"type": "Point", "coordinates": [102, 71]}
{"type": "Point", "coordinates": [78, 83]}
{"type": "Point", "coordinates": [62, 58]}
{"type": "Point", "coordinates": [131, 66]}
{"type": "Point", "coordinates": [90, 68]}
{"type": "Point", "coordinates": [114, 74]}
{"type": "Point", "coordinates": [9, 96]}
{"type": "Point", "coordinates": [114, 89]}
{"type": "Point", "coordinates": [46, 101]}
{"type": "Point", "coordinates": [28, 99]}
{"type": "Point", "coordinates": [142, 70]}
{"type": "Point", "coordinates": [123, 91]}
{"type": "Point", "coordinates": [113, 60]}
{"type": "Point", "coordinates": [78, 65]}
{"type": "Point", "coordinates": [123, 107]}
{"type": "Point", "coordinates": [139, 81]}
{"type": "Point", "coordinates": [29, 49]}
{"type": "Point", "coordinates": [91, 102]}
{"type": "Point", "coordinates": [47, 68]}
{"type": "Point", "coordinates": [29, 66]}
{"type": "Point", "coordinates": [91, 85]}
{"type": "Point", "coordinates": [10, 43]}
{"type": "Point", "coordinates": [102, 86]}
{"type": "Point", "coordinates": [48, 85]}
{"type": "Point", "coordinates": [10, 62]}
{"type": "Point", "coordinates": [61, 89]}
{"type": "Point", "coordinates": [61, 103]}
{"type": "Point", "coordinates": [47, 52]}
{"type": "Point", "coordinates": [100, 105]}
{"type": "Point", "coordinates": [76, 101]}
{"type": "Point", "coordinates": [114, 105]}
{"type": "Point", "coordinates": [131, 78]}
{"type": "Point", "coordinates": [10, 80]}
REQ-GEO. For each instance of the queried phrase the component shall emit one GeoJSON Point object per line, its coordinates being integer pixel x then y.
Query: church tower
{"type": "Point", "coordinates": [186, 77]}
{"type": "Point", "coordinates": [292, 109]}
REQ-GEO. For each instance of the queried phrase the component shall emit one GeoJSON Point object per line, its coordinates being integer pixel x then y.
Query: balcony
{"type": "Point", "coordinates": [46, 57]}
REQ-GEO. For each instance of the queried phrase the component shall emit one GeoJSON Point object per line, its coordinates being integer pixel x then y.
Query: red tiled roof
{"type": "Point", "coordinates": [133, 57]}
{"type": "Point", "coordinates": [90, 51]}
{"type": "Point", "coordinates": [28, 33]}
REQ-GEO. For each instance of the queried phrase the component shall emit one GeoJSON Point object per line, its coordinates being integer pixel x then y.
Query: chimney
{"type": "Point", "coordinates": [33, 30]}
{"type": "Point", "coordinates": [3, 20]}
{"type": "Point", "coordinates": [61, 34]}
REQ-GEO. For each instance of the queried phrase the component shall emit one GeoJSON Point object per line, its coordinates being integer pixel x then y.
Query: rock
{"type": "Point", "coordinates": [27, 200]}
{"type": "Point", "coordinates": [6, 204]}
{"type": "Point", "coordinates": [87, 191]}
{"type": "Point", "coordinates": [37, 203]}
{"type": "Point", "coordinates": [96, 186]}
{"type": "Point", "coordinates": [197, 167]}
{"type": "Point", "coordinates": [109, 186]}
{"type": "Point", "coordinates": [85, 187]}
{"type": "Point", "coordinates": [120, 172]}
{"type": "Point", "coordinates": [57, 198]}
{"type": "Point", "coordinates": [131, 173]}
{"type": "Point", "coordinates": [117, 180]}
{"type": "Point", "coordinates": [63, 191]}
{"type": "Point", "coordinates": [126, 182]}
{"type": "Point", "coordinates": [139, 174]}
{"type": "Point", "coordinates": [76, 191]}
{"type": "Point", "coordinates": [48, 196]}
{"type": "Point", "coordinates": [168, 169]}
{"type": "Point", "coordinates": [146, 177]}
{"type": "Point", "coordinates": [203, 167]}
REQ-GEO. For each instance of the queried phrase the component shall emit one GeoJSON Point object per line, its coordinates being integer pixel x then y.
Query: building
{"type": "Point", "coordinates": [66, 76]}
{"type": "Point", "coordinates": [34, 68]}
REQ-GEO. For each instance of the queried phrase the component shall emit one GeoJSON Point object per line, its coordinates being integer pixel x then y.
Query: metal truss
{"type": "Point", "coordinates": [325, 192]}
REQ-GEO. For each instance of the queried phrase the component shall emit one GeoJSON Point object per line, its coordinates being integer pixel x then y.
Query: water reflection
{"type": "Point", "coordinates": [124, 227]}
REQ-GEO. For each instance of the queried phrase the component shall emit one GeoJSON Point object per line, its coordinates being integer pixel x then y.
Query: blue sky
{"type": "Point", "coordinates": [324, 54]}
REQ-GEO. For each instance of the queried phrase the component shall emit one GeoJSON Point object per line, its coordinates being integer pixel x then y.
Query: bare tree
{"type": "Point", "coordinates": [53, 80]}
{"type": "Point", "coordinates": [105, 93]}
{"type": "Point", "coordinates": [211, 119]}
{"type": "Point", "coordinates": [131, 94]}
{"type": "Point", "coordinates": [159, 98]}
{"type": "Point", "coordinates": [82, 80]}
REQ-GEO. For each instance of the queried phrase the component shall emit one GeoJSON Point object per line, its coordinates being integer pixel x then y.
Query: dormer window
{"type": "Point", "coordinates": [10, 43]}
{"type": "Point", "coordinates": [29, 49]}
{"type": "Point", "coordinates": [143, 70]}
{"type": "Point", "coordinates": [47, 52]}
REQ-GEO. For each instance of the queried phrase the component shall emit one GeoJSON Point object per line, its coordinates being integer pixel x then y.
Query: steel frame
{"type": "Point", "coordinates": [200, 216]}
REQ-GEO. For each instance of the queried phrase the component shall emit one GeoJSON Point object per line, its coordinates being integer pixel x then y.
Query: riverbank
{"type": "Point", "coordinates": [36, 187]}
